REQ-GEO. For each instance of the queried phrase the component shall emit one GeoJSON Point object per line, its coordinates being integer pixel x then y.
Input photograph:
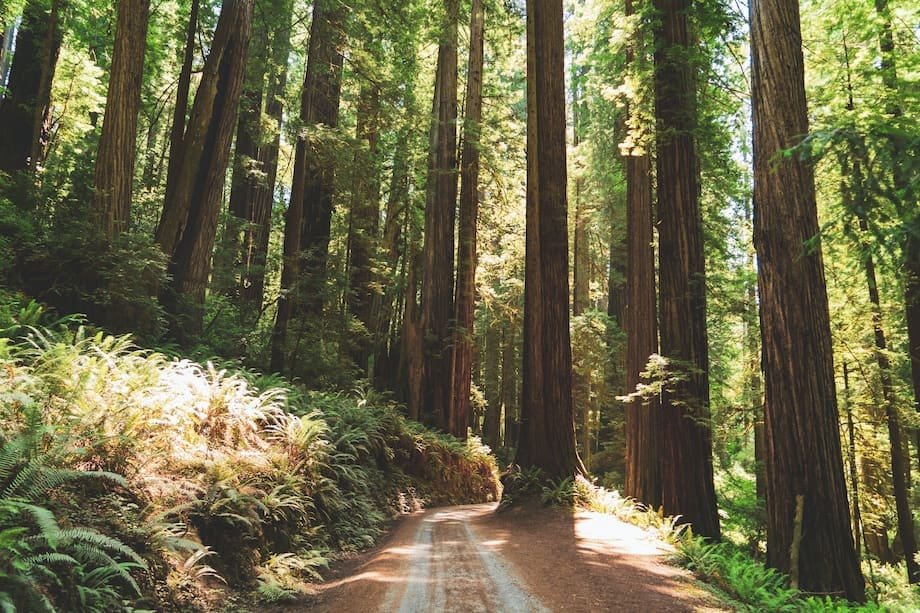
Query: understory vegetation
{"type": "Point", "coordinates": [730, 569]}
{"type": "Point", "coordinates": [130, 480]}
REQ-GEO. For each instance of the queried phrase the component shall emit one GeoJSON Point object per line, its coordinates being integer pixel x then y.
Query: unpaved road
{"type": "Point", "coordinates": [472, 559]}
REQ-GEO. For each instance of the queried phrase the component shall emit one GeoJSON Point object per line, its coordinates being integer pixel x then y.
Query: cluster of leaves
{"type": "Point", "coordinates": [262, 481]}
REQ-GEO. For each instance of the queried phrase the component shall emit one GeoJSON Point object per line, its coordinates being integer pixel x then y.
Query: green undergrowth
{"type": "Point", "coordinates": [134, 481]}
{"type": "Point", "coordinates": [728, 569]}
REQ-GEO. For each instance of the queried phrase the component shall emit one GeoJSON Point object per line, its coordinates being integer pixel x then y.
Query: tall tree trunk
{"type": "Point", "coordinates": [117, 146]}
{"type": "Point", "coordinates": [247, 170]}
{"type": "Point", "coordinates": [180, 111]}
{"type": "Point", "coordinates": [492, 382]}
{"type": "Point", "coordinates": [509, 385]}
{"type": "Point", "coordinates": [547, 435]}
{"type": "Point", "coordinates": [412, 336]}
{"type": "Point", "coordinates": [258, 229]}
{"type": "Point", "coordinates": [581, 295]}
{"type": "Point", "coordinates": [189, 222]}
{"type": "Point", "coordinates": [440, 220]}
{"type": "Point", "coordinates": [851, 459]}
{"type": "Point", "coordinates": [309, 214]}
{"type": "Point", "coordinates": [800, 407]}
{"type": "Point", "coordinates": [365, 224]}
{"type": "Point", "coordinates": [25, 111]}
{"type": "Point", "coordinates": [643, 481]}
{"type": "Point", "coordinates": [854, 196]}
{"type": "Point", "coordinates": [908, 207]}
{"type": "Point", "coordinates": [685, 442]}
{"type": "Point", "coordinates": [465, 304]}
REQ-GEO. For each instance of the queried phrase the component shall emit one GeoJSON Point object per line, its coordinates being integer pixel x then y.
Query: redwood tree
{"type": "Point", "coordinates": [547, 431]}
{"type": "Point", "coordinates": [462, 347]}
{"type": "Point", "coordinates": [189, 222]}
{"type": "Point", "coordinates": [804, 466]}
{"type": "Point", "coordinates": [440, 220]}
{"type": "Point", "coordinates": [116, 156]}
{"type": "Point", "coordinates": [309, 214]}
{"type": "Point", "coordinates": [685, 440]}
{"type": "Point", "coordinates": [25, 110]}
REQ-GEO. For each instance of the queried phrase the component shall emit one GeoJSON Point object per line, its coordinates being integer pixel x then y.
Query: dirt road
{"type": "Point", "coordinates": [472, 559]}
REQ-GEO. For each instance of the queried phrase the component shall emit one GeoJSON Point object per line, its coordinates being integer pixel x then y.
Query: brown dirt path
{"type": "Point", "coordinates": [472, 559]}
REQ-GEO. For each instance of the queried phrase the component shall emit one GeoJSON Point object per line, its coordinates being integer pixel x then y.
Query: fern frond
{"type": "Point", "coordinates": [101, 541]}
{"type": "Point", "coordinates": [44, 520]}
{"type": "Point", "coordinates": [104, 575]}
{"type": "Point", "coordinates": [45, 559]}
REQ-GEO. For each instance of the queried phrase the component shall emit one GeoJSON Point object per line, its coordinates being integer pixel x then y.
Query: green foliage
{"type": "Point", "coordinates": [43, 566]}
{"type": "Point", "coordinates": [246, 478]}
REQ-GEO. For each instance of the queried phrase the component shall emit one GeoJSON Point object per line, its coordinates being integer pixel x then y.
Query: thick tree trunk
{"type": "Point", "coordinates": [25, 111]}
{"type": "Point", "coordinates": [643, 482]}
{"type": "Point", "coordinates": [685, 442]}
{"type": "Point", "coordinates": [189, 222]}
{"type": "Point", "coordinates": [247, 169]}
{"type": "Point", "coordinates": [440, 220]}
{"type": "Point", "coordinates": [365, 225]}
{"type": "Point", "coordinates": [309, 214]}
{"type": "Point", "coordinates": [800, 407]}
{"type": "Point", "coordinates": [117, 146]}
{"type": "Point", "coordinates": [465, 302]}
{"type": "Point", "coordinates": [547, 435]}
{"type": "Point", "coordinates": [180, 111]}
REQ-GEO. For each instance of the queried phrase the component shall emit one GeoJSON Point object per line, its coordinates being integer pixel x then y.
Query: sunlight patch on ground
{"type": "Point", "coordinates": [605, 534]}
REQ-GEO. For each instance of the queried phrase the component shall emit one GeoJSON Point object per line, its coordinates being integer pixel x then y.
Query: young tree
{"type": "Point", "coordinates": [685, 440]}
{"type": "Point", "coordinates": [116, 156]}
{"type": "Point", "coordinates": [462, 346]}
{"type": "Point", "coordinates": [25, 110]}
{"type": "Point", "coordinates": [804, 466]}
{"type": "Point", "coordinates": [440, 220]}
{"type": "Point", "coordinates": [547, 433]}
{"type": "Point", "coordinates": [188, 224]}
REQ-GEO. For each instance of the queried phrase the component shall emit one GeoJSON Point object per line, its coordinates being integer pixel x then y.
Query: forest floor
{"type": "Point", "coordinates": [472, 559]}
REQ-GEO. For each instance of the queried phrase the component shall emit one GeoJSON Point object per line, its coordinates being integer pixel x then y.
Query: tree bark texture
{"type": "Point", "coordinates": [803, 455]}
{"type": "Point", "coordinates": [643, 482]}
{"type": "Point", "coordinates": [685, 441]}
{"type": "Point", "coordinates": [465, 301]}
{"type": "Point", "coordinates": [115, 159]}
{"type": "Point", "coordinates": [437, 308]}
{"type": "Point", "coordinates": [547, 435]}
{"type": "Point", "coordinates": [188, 225]}
{"type": "Point", "coordinates": [25, 111]}
{"type": "Point", "coordinates": [310, 207]}
{"type": "Point", "coordinates": [180, 111]}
